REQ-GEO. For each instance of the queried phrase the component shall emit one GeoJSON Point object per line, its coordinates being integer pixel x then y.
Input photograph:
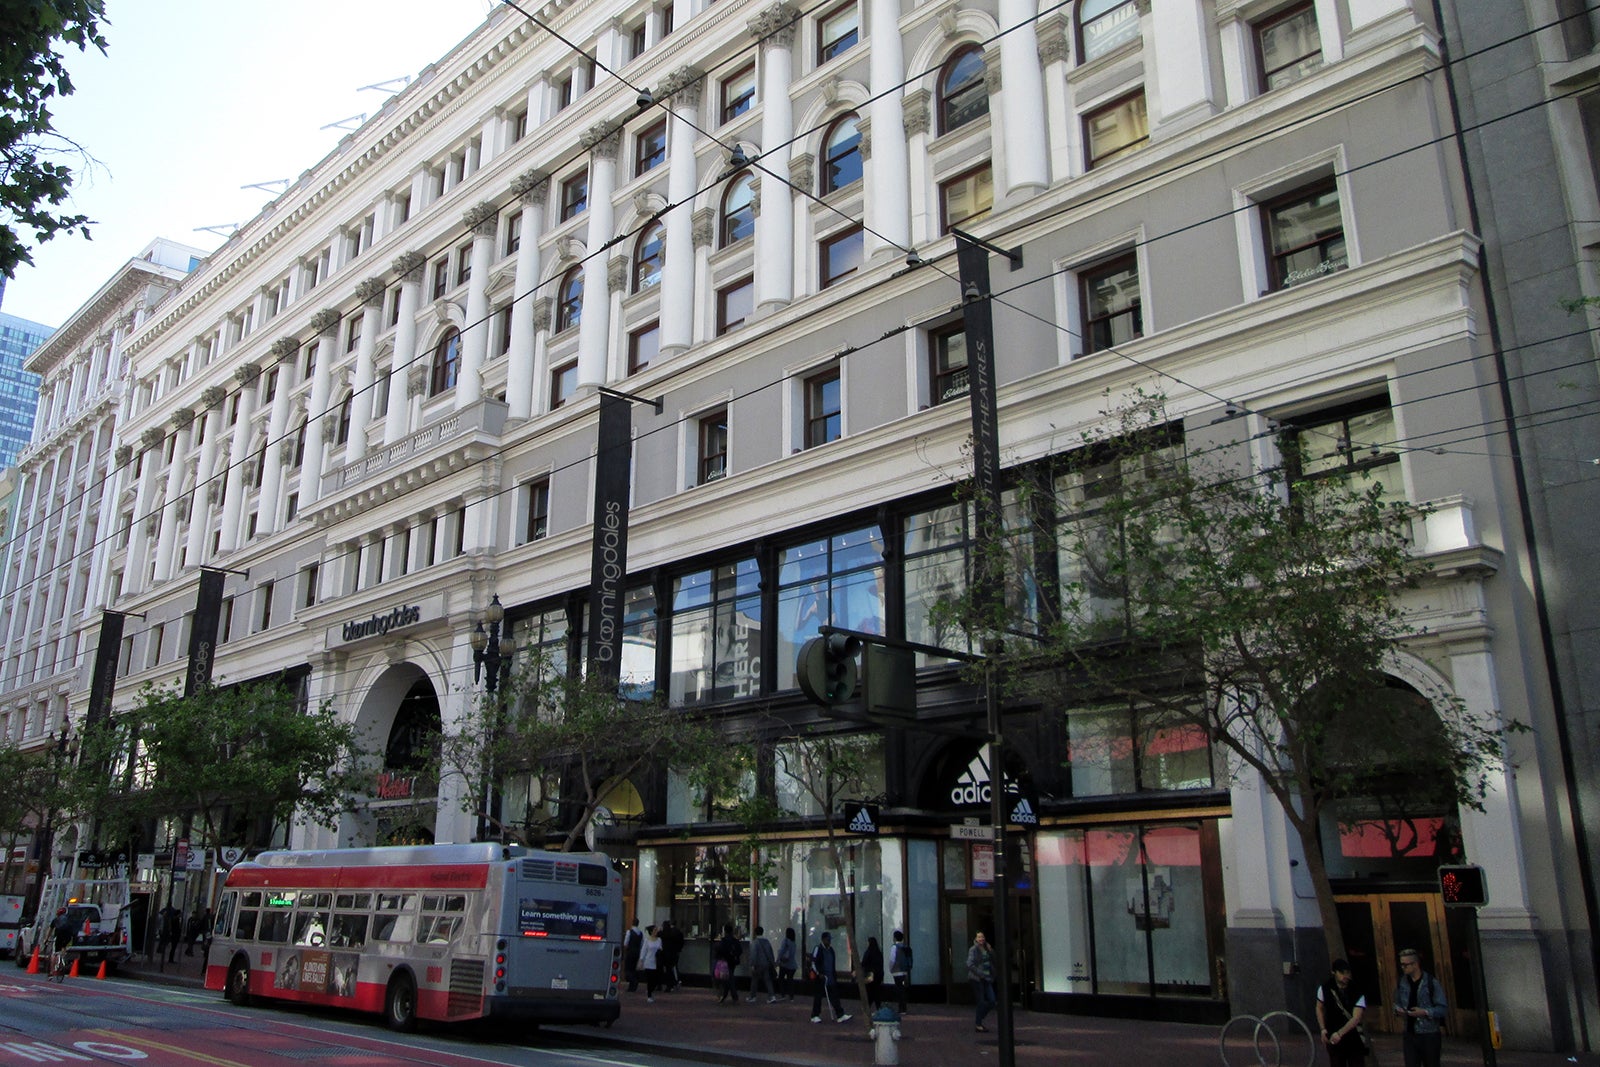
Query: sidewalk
{"type": "Point", "coordinates": [691, 1023]}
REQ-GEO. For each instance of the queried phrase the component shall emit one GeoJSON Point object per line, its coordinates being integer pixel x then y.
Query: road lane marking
{"type": "Point", "coordinates": [176, 1050]}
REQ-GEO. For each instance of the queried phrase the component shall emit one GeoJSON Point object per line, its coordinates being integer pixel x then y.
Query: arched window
{"type": "Point", "coordinates": [446, 363]}
{"type": "Point", "coordinates": [569, 302]}
{"type": "Point", "coordinates": [1105, 24]}
{"type": "Point", "coordinates": [841, 155]}
{"type": "Point", "coordinates": [648, 256]}
{"type": "Point", "coordinates": [962, 95]}
{"type": "Point", "coordinates": [738, 211]}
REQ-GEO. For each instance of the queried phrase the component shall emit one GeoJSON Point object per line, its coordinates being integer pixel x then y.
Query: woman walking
{"type": "Point", "coordinates": [980, 974]}
{"type": "Point", "coordinates": [649, 964]}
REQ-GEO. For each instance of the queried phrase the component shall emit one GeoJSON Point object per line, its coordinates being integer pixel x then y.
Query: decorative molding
{"type": "Point", "coordinates": [1054, 37]}
{"type": "Point", "coordinates": [330, 429]}
{"type": "Point", "coordinates": [481, 218]}
{"type": "Point", "coordinates": [123, 455]}
{"type": "Point", "coordinates": [541, 313]}
{"type": "Point", "coordinates": [325, 320]}
{"type": "Point", "coordinates": [183, 418]}
{"type": "Point", "coordinates": [213, 396]}
{"type": "Point", "coordinates": [617, 274]}
{"type": "Point", "coordinates": [864, 130]}
{"type": "Point", "coordinates": [247, 373]}
{"type": "Point", "coordinates": [775, 25]}
{"type": "Point", "coordinates": [283, 348]}
{"type": "Point", "coordinates": [370, 291]}
{"type": "Point", "coordinates": [533, 186]}
{"type": "Point", "coordinates": [991, 70]}
{"type": "Point", "coordinates": [704, 228]}
{"type": "Point", "coordinates": [416, 381]}
{"type": "Point", "coordinates": [407, 266]}
{"type": "Point", "coordinates": [151, 439]}
{"type": "Point", "coordinates": [916, 111]}
{"type": "Point", "coordinates": [603, 139]}
{"type": "Point", "coordinates": [682, 88]}
{"type": "Point", "coordinates": [801, 172]}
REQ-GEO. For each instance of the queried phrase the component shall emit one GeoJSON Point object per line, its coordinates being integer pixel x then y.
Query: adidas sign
{"type": "Point", "coordinates": [862, 822]}
{"type": "Point", "coordinates": [1023, 814]}
{"type": "Point", "coordinates": [972, 787]}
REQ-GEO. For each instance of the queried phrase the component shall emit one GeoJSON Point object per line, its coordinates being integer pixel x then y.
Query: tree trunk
{"type": "Point", "coordinates": [849, 925]}
{"type": "Point", "coordinates": [1308, 830]}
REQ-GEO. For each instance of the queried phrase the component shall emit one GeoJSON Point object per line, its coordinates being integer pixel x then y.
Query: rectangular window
{"type": "Point", "coordinates": [716, 634]}
{"type": "Point", "coordinates": [735, 303]}
{"type": "Point", "coordinates": [837, 580]}
{"type": "Point", "coordinates": [308, 585]}
{"type": "Point", "coordinates": [402, 208]}
{"type": "Point", "coordinates": [574, 195]}
{"type": "Point", "coordinates": [738, 92]}
{"type": "Point", "coordinates": [666, 21]}
{"type": "Point", "coordinates": [1304, 231]}
{"type": "Point", "coordinates": [264, 605]}
{"type": "Point", "coordinates": [352, 335]}
{"type": "Point", "coordinates": [502, 330]}
{"type": "Point", "coordinates": [837, 32]}
{"type": "Point", "coordinates": [1105, 24]}
{"type": "Point", "coordinates": [1288, 46]}
{"type": "Point", "coordinates": [712, 458]}
{"type": "Point", "coordinates": [513, 233]}
{"type": "Point", "coordinates": [1355, 443]}
{"type": "Point", "coordinates": [636, 39]}
{"type": "Point", "coordinates": [650, 147]}
{"type": "Point", "coordinates": [563, 383]}
{"type": "Point", "coordinates": [564, 92]}
{"type": "Point", "coordinates": [393, 318]}
{"type": "Point", "coordinates": [519, 125]}
{"type": "Point", "coordinates": [291, 506]}
{"type": "Point", "coordinates": [1115, 130]}
{"type": "Point", "coordinates": [1112, 313]}
{"type": "Point", "coordinates": [966, 198]}
{"type": "Point", "coordinates": [824, 414]}
{"type": "Point", "coordinates": [841, 255]}
{"type": "Point", "coordinates": [947, 370]}
{"type": "Point", "coordinates": [464, 264]}
{"type": "Point", "coordinates": [644, 345]}
{"type": "Point", "coordinates": [537, 500]}
{"type": "Point", "coordinates": [441, 277]}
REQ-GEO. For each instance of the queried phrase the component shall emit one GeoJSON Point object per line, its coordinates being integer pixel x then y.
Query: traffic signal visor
{"type": "Point", "coordinates": [827, 670]}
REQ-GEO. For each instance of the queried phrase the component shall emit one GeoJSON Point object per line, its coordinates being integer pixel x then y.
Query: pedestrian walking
{"type": "Point", "coordinates": [191, 932]}
{"type": "Point", "coordinates": [725, 956]}
{"type": "Point", "coordinates": [788, 963]}
{"type": "Point", "coordinates": [872, 968]}
{"type": "Point", "coordinates": [1420, 998]}
{"type": "Point", "coordinates": [980, 975]}
{"type": "Point", "coordinates": [900, 968]}
{"type": "Point", "coordinates": [169, 932]}
{"type": "Point", "coordinates": [761, 966]}
{"type": "Point", "coordinates": [671, 950]}
{"type": "Point", "coordinates": [649, 962]}
{"type": "Point", "coordinates": [632, 941]}
{"type": "Point", "coordinates": [1339, 1012]}
{"type": "Point", "coordinates": [824, 973]}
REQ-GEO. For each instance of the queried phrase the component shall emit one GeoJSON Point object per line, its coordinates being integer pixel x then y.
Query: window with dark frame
{"type": "Point", "coordinates": [649, 255]}
{"type": "Point", "coordinates": [947, 363]}
{"type": "Point", "coordinates": [446, 363]}
{"type": "Point", "coordinates": [441, 277]}
{"type": "Point", "coordinates": [1304, 232]}
{"type": "Point", "coordinates": [1112, 311]}
{"type": "Point", "coordinates": [841, 155]}
{"type": "Point", "coordinates": [1288, 46]}
{"type": "Point", "coordinates": [342, 436]}
{"type": "Point", "coordinates": [1105, 24]}
{"type": "Point", "coordinates": [502, 330]}
{"type": "Point", "coordinates": [308, 592]}
{"type": "Point", "coordinates": [644, 345]}
{"type": "Point", "coordinates": [967, 197]}
{"type": "Point", "coordinates": [464, 264]}
{"type": "Point", "coordinates": [738, 92]}
{"type": "Point", "coordinates": [574, 195]}
{"type": "Point", "coordinates": [519, 125]}
{"type": "Point", "coordinates": [712, 457]}
{"type": "Point", "coordinates": [513, 234]}
{"type": "Point", "coordinates": [636, 39]}
{"type": "Point", "coordinates": [963, 96]}
{"type": "Point", "coordinates": [738, 219]}
{"type": "Point", "coordinates": [837, 32]}
{"type": "Point", "coordinates": [564, 92]}
{"type": "Point", "coordinates": [569, 300]}
{"type": "Point", "coordinates": [537, 524]}
{"type": "Point", "coordinates": [840, 255]}
{"type": "Point", "coordinates": [1118, 128]}
{"type": "Point", "coordinates": [1352, 441]}
{"type": "Point", "coordinates": [735, 303]}
{"type": "Point", "coordinates": [824, 412]}
{"type": "Point", "coordinates": [650, 147]}
{"type": "Point", "coordinates": [563, 383]}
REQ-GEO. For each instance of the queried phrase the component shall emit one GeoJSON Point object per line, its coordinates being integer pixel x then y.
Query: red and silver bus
{"type": "Point", "coordinates": [445, 932]}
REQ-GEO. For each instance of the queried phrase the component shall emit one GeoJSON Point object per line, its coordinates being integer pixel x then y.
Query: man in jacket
{"type": "Point", "coordinates": [1420, 999]}
{"type": "Point", "coordinates": [632, 942]}
{"type": "Point", "coordinates": [761, 964]}
{"type": "Point", "coordinates": [825, 973]}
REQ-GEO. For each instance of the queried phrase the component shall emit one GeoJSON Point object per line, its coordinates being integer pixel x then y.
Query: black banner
{"type": "Point", "coordinates": [977, 317]}
{"type": "Point", "coordinates": [203, 634]}
{"type": "Point", "coordinates": [104, 683]}
{"type": "Point", "coordinates": [608, 566]}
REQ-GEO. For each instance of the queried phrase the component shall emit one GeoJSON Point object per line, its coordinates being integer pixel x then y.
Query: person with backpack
{"type": "Point", "coordinates": [824, 973]}
{"type": "Point", "coordinates": [900, 968]}
{"type": "Point", "coordinates": [788, 963]}
{"type": "Point", "coordinates": [1340, 1008]}
{"type": "Point", "coordinates": [671, 949]}
{"type": "Point", "coordinates": [726, 956]}
{"type": "Point", "coordinates": [1420, 999]}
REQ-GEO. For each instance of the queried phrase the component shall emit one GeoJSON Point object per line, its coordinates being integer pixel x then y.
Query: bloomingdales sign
{"type": "Point", "coordinates": [378, 625]}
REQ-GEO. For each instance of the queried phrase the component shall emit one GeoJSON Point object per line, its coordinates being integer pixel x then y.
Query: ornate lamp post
{"type": "Point", "coordinates": [492, 652]}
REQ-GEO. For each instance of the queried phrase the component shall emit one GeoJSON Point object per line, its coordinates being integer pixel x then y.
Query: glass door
{"type": "Point", "coordinates": [1377, 926]}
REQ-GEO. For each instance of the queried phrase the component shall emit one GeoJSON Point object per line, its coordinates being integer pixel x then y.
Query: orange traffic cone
{"type": "Point", "coordinates": [101, 973]}
{"type": "Point", "coordinates": [88, 928]}
{"type": "Point", "coordinates": [33, 961]}
{"type": "Point", "coordinates": [74, 972]}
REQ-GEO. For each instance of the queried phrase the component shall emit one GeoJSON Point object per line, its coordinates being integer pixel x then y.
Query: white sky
{"type": "Point", "coordinates": [195, 98]}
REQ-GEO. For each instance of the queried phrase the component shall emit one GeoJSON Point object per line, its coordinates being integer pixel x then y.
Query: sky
{"type": "Point", "coordinates": [196, 98]}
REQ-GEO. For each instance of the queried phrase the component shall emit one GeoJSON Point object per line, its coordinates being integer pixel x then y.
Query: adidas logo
{"type": "Point", "coordinates": [861, 822]}
{"type": "Point", "coordinates": [972, 787]}
{"type": "Point", "coordinates": [1023, 814]}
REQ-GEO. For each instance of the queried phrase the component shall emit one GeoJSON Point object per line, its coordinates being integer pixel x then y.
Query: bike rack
{"type": "Point", "coordinates": [1264, 1022]}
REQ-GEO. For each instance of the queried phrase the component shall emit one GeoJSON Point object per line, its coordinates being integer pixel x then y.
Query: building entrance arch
{"type": "Point", "coordinates": [401, 714]}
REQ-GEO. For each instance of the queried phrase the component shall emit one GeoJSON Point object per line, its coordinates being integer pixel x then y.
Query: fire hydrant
{"type": "Point", "coordinates": [886, 1033]}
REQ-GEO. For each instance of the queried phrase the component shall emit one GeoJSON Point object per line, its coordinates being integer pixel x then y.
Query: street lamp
{"type": "Point", "coordinates": [492, 651]}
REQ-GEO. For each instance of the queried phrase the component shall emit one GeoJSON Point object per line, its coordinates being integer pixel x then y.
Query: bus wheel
{"type": "Point", "coordinates": [400, 1005]}
{"type": "Point", "coordinates": [238, 988]}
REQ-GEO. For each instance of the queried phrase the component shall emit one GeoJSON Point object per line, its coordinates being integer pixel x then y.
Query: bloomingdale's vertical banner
{"type": "Point", "coordinates": [609, 564]}
{"type": "Point", "coordinates": [203, 634]}
{"type": "Point", "coordinates": [106, 653]}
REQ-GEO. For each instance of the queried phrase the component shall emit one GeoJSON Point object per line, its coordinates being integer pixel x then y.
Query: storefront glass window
{"type": "Point", "coordinates": [1105, 760]}
{"type": "Point", "coordinates": [638, 680]}
{"type": "Point", "coordinates": [802, 769]}
{"type": "Point", "coordinates": [545, 634]}
{"type": "Point", "coordinates": [716, 634]}
{"type": "Point", "coordinates": [834, 580]}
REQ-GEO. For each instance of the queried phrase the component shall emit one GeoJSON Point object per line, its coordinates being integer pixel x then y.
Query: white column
{"type": "Point", "coordinates": [1329, 32]}
{"type": "Point", "coordinates": [888, 190]}
{"type": "Point", "coordinates": [283, 352]}
{"type": "Point", "coordinates": [100, 594]}
{"type": "Point", "coordinates": [371, 291]}
{"type": "Point", "coordinates": [89, 465]}
{"type": "Point", "coordinates": [167, 539]}
{"type": "Point", "coordinates": [249, 378]}
{"type": "Point", "coordinates": [1180, 64]}
{"type": "Point", "coordinates": [206, 490]}
{"type": "Point", "coordinates": [917, 118]}
{"type": "Point", "coordinates": [704, 234]}
{"type": "Point", "coordinates": [1027, 152]}
{"type": "Point", "coordinates": [1053, 34]}
{"type": "Point", "coordinates": [483, 220]}
{"type": "Point", "coordinates": [322, 424]}
{"type": "Point", "coordinates": [533, 186]}
{"type": "Point", "coordinates": [139, 539]}
{"type": "Point", "coordinates": [594, 329]}
{"type": "Point", "coordinates": [775, 222]}
{"type": "Point", "coordinates": [409, 267]}
{"type": "Point", "coordinates": [677, 272]}
{"type": "Point", "coordinates": [1492, 837]}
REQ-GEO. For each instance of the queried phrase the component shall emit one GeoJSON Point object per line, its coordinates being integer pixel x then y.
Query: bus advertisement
{"type": "Point", "coordinates": [441, 932]}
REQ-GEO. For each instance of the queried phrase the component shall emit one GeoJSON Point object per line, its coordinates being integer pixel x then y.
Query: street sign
{"type": "Point", "coordinates": [963, 832]}
{"type": "Point", "coordinates": [861, 818]}
{"type": "Point", "coordinates": [1462, 886]}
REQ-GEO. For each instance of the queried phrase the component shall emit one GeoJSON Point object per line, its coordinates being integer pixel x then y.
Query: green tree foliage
{"type": "Point", "coordinates": [569, 741]}
{"type": "Point", "coordinates": [232, 762]}
{"type": "Point", "coordinates": [1197, 595]}
{"type": "Point", "coordinates": [33, 182]}
{"type": "Point", "coordinates": [33, 789]}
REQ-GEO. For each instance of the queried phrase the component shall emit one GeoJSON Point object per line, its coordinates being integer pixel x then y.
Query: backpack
{"type": "Point", "coordinates": [901, 964]}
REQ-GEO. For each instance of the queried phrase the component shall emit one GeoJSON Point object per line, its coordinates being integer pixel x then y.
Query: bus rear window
{"type": "Point", "coordinates": [586, 920]}
{"type": "Point", "coordinates": [592, 874]}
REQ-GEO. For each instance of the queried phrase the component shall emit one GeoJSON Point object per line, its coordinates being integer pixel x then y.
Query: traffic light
{"type": "Point", "coordinates": [826, 668]}
{"type": "Point", "coordinates": [1463, 886]}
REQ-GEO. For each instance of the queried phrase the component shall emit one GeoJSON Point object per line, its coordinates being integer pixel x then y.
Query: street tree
{"type": "Point", "coordinates": [34, 180]}
{"type": "Point", "coordinates": [232, 763]}
{"type": "Point", "coordinates": [33, 792]}
{"type": "Point", "coordinates": [565, 742]}
{"type": "Point", "coordinates": [1254, 612]}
